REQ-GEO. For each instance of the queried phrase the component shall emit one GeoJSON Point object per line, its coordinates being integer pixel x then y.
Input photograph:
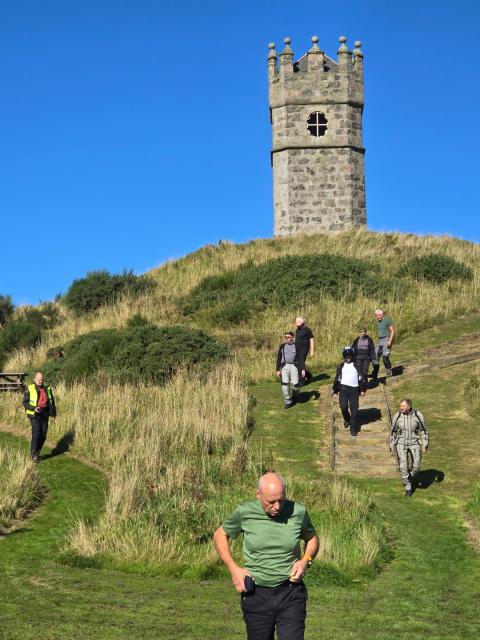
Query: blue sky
{"type": "Point", "coordinates": [135, 131]}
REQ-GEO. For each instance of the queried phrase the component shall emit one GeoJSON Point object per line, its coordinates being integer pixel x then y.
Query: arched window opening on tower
{"type": "Point", "coordinates": [317, 124]}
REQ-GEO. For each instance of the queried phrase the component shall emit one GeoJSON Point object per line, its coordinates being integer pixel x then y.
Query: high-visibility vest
{"type": "Point", "coordinates": [33, 393]}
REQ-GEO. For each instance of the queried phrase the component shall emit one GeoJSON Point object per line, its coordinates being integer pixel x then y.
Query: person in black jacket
{"type": "Point", "coordinates": [289, 363]}
{"type": "Point", "coordinates": [349, 383]}
{"type": "Point", "coordinates": [39, 405]}
{"type": "Point", "coordinates": [305, 344]}
{"type": "Point", "coordinates": [364, 350]}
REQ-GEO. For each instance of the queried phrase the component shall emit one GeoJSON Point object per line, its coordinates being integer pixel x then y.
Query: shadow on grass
{"type": "Point", "coordinates": [305, 396]}
{"type": "Point", "coordinates": [425, 479]}
{"type": "Point", "coordinates": [366, 416]}
{"type": "Point", "coordinates": [62, 446]}
{"type": "Point", "coordinates": [318, 378]}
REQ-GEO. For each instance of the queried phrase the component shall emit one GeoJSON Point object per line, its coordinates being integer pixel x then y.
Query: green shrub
{"type": "Point", "coordinates": [6, 309]}
{"type": "Point", "coordinates": [99, 288]}
{"type": "Point", "coordinates": [435, 268]}
{"type": "Point", "coordinates": [83, 356]}
{"type": "Point", "coordinates": [26, 330]}
{"type": "Point", "coordinates": [142, 353]}
{"type": "Point", "coordinates": [283, 282]}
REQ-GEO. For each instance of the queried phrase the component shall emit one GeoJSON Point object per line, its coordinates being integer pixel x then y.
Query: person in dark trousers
{"type": "Point", "coordinates": [349, 383]}
{"type": "Point", "coordinates": [305, 344]}
{"type": "Point", "coordinates": [39, 406]}
{"type": "Point", "coordinates": [289, 366]}
{"type": "Point", "coordinates": [383, 346]}
{"type": "Point", "coordinates": [364, 350]}
{"type": "Point", "coordinates": [273, 595]}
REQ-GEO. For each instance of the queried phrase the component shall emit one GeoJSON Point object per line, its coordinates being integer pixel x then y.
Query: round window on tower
{"type": "Point", "coordinates": [317, 124]}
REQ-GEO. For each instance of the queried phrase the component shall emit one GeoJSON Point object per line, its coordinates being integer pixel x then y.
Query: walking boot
{"type": "Point", "coordinates": [375, 370]}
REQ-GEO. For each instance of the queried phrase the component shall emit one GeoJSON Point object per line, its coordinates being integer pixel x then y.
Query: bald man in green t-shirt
{"type": "Point", "coordinates": [273, 528]}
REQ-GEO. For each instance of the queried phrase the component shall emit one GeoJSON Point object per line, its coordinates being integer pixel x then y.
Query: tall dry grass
{"type": "Point", "coordinates": [20, 487]}
{"type": "Point", "coordinates": [334, 321]}
{"type": "Point", "coordinates": [169, 451]}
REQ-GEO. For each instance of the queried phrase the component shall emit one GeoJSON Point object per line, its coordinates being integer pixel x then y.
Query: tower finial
{"type": "Point", "coordinates": [357, 51]}
{"type": "Point", "coordinates": [343, 47]}
{"type": "Point", "coordinates": [315, 48]}
{"type": "Point", "coordinates": [272, 53]}
{"type": "Point", "coordinates": [287, 49]}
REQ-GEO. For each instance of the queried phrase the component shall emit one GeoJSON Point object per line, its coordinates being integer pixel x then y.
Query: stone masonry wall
{"type": "Point", "coordinates": [318, 190]}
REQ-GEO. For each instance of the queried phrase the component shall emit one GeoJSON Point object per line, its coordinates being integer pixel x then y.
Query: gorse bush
{"type": "Point", "coordinates": [435, 268]}
{"type": "Point", "coordinates": [141, 353]}
{"type": "Point", "coordinates": [99, 288]}
{"type": "Point", "coordinates": [26, 328]}
{"type": "Point", "coordinates": [283, 282]}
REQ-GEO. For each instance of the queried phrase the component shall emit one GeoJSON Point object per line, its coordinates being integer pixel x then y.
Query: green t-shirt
{"type": "Point", "coordinates": [383, 327]}
{"type": "Point", "coordinates": [271, 546]}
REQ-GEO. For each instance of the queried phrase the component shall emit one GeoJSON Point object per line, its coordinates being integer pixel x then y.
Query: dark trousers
{"type": "Point", "coordinates": [283, 607]}
{"type": "Point", "coordinates": [302, 358]}
{"type": "Point", "coordinates": [39, 433]}
{"type": "Point", "coordinates": [348, 399]}
{"type": "Point", "coordinates": [364, 364]}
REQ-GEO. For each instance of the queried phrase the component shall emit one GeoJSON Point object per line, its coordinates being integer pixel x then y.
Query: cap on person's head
{"type": "Point", "coordinates": [299, 321]}
{"type": "Point", "coordinates": [289, 333]}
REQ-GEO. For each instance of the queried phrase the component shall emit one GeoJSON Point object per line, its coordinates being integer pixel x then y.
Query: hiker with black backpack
{"type": "Point", "coordinates": [408, 437]}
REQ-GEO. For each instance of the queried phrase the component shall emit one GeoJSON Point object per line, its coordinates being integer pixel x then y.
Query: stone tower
{"type": "Point", "coordinates": [316, 109]}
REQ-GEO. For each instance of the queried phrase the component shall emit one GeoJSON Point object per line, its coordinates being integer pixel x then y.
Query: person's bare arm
{"type": "Point", "coordinates": [312, 347]}
{"type": "Point", "coordinates": [222, 546]}
{"type": "Point", "coordinates": [300, 567]}
{"type": "Point", "coordinates": [392, 333]}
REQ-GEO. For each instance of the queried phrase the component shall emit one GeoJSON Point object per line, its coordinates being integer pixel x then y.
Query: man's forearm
{"type": "Point", "coordinates": [311, 547]}
{"type": "Point", "coordinates": [312, 346]}
{"type": "Point", "coordinates": [223, 549]}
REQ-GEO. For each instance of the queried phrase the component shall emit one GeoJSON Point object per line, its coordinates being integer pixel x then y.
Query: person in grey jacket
{"type": "Point", "coordinates": [409, 434]}
{"type": "Point", "coordinates": [289, 363]}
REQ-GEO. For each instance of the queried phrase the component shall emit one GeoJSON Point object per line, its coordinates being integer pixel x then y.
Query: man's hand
{"type": "Point", "coordinates": [238, 578]}
{"type": "Point", "coordinates": [334, 394]}
{"type": "Point", "coordinates": [303, 373]}
{"type": "Point", "coordinates": [278, 374]}
{"type": "Point", "coordinates": [298, 570]}
{"type": "Point", "coordinates": [392, 453]}
{"type": "Point", "coordinates": [362, 393]}
{"type": "Point", "coordinates": [37, 409]}
{"type": "Point", "coordinates": [424, 452]}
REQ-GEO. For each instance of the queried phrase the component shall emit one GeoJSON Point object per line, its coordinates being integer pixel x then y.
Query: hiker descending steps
{"type": "Point", "coordinates": [409, 436]}
{"type": "Point", "coordinates": [349, 383]}
{"type": "Point", "coordinates": [290, 363]}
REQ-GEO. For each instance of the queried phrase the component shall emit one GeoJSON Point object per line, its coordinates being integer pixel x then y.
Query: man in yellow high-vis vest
{"type": "Point", "coordinates": [39, 406]}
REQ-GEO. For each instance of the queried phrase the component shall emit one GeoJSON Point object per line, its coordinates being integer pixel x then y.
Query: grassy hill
{"type": "Point", "coordinates": [178, 456]}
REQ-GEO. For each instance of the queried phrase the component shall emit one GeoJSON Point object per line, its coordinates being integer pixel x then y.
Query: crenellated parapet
{"type": "Point", "coordinates": [315, 75]}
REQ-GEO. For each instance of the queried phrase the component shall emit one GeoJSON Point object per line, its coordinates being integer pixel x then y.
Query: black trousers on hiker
{"type": "Point", "coordinates": [348, 399]}
{"type": "Point", "coordinates": [283, 607]}
{"type": "Point", "coordinates": [364, 364]}
{"type": "Point", "coordinates": [39, 424]}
